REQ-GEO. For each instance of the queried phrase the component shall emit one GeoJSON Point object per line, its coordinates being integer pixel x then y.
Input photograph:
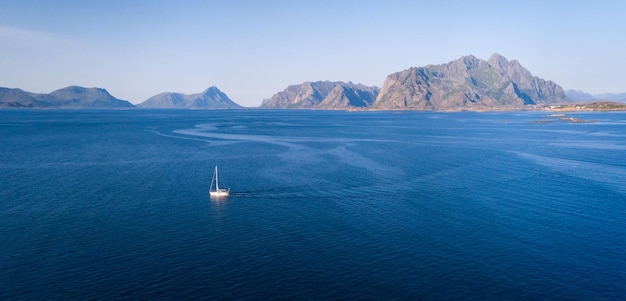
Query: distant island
{"type": "Point", "coordinates": [211, 98]}
{"type": "Point", "coordinates": [465, 84]}
{"type": "Point", "coordinates": [73, 97]}
{"type": "Point", "coordinates": [578, 95]}
{"type": "Point", "coordinates": [323, 95]}
{"type": "Point", "coordinates": [597, 106]}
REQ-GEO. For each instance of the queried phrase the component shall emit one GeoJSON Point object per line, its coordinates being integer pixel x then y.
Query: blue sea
{"type": "Point", "coordinates": [324, 205]}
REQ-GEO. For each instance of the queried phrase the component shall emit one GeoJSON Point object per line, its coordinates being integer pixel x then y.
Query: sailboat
{"type": "Point", "coordinates": [217, 192]}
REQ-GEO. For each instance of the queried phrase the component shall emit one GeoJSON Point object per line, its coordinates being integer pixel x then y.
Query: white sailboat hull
{"type": "Point", "coordinates": [220, 193]}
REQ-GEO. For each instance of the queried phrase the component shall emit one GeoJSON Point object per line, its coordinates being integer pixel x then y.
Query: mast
{"type": "Point", "coordinates": [217, 186]}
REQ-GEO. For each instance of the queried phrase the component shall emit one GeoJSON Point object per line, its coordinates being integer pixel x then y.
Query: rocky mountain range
{"type": "Point", "coordinates": [211, 98]}
{"type": "Point", "coordinates": [578, 95]}
{"type": "Point", "coordinates": [467, 83]}
{"type": "Point", "coordinates": [68, 97]}
{"type": "Point", "coordinates": [322, 95]}
{"type": "Point", "coordinates": [75, 97]}
{"type": "Point", "coordinates": [611, 96]}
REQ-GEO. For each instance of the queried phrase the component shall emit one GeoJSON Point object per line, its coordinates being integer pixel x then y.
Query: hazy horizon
{"type": "Point", "coordinates": [251, 50]}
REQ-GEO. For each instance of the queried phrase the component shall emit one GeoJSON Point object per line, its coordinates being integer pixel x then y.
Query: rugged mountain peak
{"type": "Point", "coordinates": [322, 94]}
{"type": "Point", "coordinates": [469, 62]}
{"type": "Point", "coordinates": [467, 83]}
{"type": "Point", "coordinates": [497, 60]}
{"type": "Point", "coordinates": [212, 90]}
{"type": "Point", "coordinates": [347, 95]}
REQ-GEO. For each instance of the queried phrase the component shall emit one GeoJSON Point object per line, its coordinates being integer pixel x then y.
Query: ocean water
{"type": "Point", "coordinates": [105, 205]}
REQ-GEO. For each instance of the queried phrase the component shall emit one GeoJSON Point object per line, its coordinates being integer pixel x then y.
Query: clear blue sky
{"type": "Point", "coordinates": [253, 49]}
